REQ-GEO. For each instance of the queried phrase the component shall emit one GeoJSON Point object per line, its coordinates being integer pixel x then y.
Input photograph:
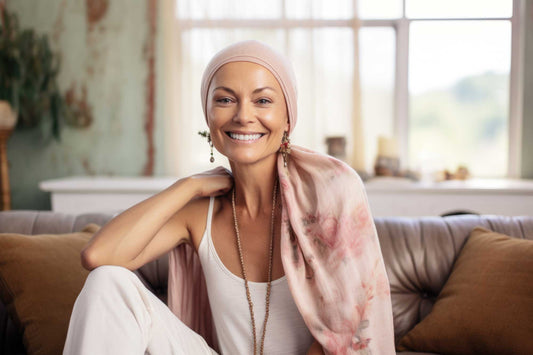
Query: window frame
{"type": "Point", "coordinates": [401, 104]}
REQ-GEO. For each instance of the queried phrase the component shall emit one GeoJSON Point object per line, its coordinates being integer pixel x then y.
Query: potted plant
{"type": "Point", "coordinates": [28, 77]}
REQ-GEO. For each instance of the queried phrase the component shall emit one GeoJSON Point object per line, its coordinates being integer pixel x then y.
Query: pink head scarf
{"type": "Point", "coordinates": [329, 245]}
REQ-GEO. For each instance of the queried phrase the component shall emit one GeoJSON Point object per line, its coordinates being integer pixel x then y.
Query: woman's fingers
{"type": "Point", "coordinates": [214, 182]}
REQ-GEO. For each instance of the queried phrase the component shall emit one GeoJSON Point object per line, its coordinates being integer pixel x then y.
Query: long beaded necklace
{"type": "Point", "coordinates": [250, 304]}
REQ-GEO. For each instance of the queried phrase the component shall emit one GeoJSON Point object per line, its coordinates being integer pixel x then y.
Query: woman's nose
{"type": "Point", "coordinates": [245, 113]}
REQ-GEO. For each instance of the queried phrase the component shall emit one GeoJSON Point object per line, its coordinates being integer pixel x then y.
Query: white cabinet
{"type": "Point", "coordinates": [105, 194]}
{"type": "Point", "coordinates": [399, 197]}
{"type": "Point", "coordinates": [387, 196]}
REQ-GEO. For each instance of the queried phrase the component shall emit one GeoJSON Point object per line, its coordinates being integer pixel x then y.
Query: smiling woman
{"type": "Point", "coordinates": [286, 243]}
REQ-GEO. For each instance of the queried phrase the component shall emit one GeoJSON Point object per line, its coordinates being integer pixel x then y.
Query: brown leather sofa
{"type": "Point", "coordinates": [419, 254]}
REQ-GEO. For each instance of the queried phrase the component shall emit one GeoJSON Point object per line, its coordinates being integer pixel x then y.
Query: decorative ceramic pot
{"type": "Point", "coordinates": [8, 116]}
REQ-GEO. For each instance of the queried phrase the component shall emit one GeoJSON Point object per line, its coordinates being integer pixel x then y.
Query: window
{"type": "Point", "coordinates": [436, 74]}
{"type": "Point", "coordinates": [459, 85]}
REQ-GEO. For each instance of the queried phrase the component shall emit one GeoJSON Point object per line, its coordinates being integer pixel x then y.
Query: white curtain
{"type": "Point", "coordinates": [325, 59]}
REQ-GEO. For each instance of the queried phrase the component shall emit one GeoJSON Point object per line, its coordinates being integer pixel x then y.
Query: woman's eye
{"type": "Point", "coordinates": [224, 100]}
{"type": "Point", "coordinates": [264, 101]}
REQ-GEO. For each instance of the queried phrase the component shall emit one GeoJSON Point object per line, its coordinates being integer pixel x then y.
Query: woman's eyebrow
{"type": "Point", "coordinates": [253, 92]}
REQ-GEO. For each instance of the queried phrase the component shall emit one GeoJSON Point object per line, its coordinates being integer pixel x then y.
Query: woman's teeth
{"type": "Point", "coordinates": [245, 137]}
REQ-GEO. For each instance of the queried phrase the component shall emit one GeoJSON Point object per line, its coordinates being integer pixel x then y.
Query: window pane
{"type": "Point", "coordinates": [376, 67]}
{"type": "Point", "coordinates": [323, 62]}
{"type": "Point", "coordinates": [379, 9]}
{"type": "Point", "coordinates": [459, 95]}
{"type": "Point", "coordinates": [459, 8]}
{"type": "Point", "coordinates": [216, 9]}
{"type": "Point", "coordinates": [319, 9]}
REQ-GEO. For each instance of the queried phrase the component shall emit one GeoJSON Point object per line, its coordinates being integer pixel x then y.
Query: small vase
{"type": "Point", "coordinates": [8, 120]}
{"type": "Point", "coordinates": [337, 147]}
{"type": "Point", "coordinates": [8, 116]}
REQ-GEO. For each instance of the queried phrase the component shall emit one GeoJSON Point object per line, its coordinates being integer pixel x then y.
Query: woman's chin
{"type": "Point", "coordinates": [244, 159]}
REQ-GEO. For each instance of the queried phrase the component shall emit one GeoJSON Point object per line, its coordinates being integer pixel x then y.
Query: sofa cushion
{"type": "Point", "coordinates": [486, 305]}
{"type": "Point", "coordinates": [40, 279]}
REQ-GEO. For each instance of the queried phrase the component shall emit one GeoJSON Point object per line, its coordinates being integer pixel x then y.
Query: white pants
{"type": "Point", "coordinates": [116, 314]}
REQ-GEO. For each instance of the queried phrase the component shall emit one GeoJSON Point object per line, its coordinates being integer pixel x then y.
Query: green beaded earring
{"type": "Point", "coordinates": [208, 136]}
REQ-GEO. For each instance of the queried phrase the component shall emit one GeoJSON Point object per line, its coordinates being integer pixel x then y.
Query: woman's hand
{"type": "Point", "coordinates": [214, 182]}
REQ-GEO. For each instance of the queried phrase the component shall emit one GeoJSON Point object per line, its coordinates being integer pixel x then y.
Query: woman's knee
{"type": "Point", "coordinates": [109, 275]}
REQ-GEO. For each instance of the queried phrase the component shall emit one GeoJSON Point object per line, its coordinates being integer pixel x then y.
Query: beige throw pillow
{"type": "Point", "coordinates": [486, 306]}
{"type": "Point", "coordinates": [40, 279]}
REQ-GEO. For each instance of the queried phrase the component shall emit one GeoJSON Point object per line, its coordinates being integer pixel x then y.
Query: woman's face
{"type": "Point", "coordinates": [246, 112]}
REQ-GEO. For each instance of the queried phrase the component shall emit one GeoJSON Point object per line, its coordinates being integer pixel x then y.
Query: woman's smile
{"type": "Point", "coordinates": [242, 137]}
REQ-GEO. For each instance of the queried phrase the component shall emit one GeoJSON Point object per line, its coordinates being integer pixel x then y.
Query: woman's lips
{"type": "Point", "coordinates": [245, 137]}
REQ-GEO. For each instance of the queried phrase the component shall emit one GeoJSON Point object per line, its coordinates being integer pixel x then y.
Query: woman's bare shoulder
{"type": "Point", "coordinates": [195, 213]}
{"type": "Point", "coordinates": [194, 210]}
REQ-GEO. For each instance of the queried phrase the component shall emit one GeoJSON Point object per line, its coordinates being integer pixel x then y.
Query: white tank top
{"type": "Point", "coordinates": [286, 331]}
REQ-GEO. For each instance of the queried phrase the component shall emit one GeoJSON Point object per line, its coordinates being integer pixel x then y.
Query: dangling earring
{"type": "Point", "coordinates": [208, 136]}
{"type": "Point", "coordinates": [285, 147]}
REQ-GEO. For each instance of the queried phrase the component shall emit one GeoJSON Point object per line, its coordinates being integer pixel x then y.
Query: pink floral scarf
{"type": "Point", "coordinates": [331, 255]}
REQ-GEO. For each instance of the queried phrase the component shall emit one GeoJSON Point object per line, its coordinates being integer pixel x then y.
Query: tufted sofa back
{"type": "Point", "coordinates": [418, 252]}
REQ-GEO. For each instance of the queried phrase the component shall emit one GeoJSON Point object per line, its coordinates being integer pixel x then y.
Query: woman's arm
{"type": "Point", "coordinates": [315, 349]}
{"type": "Point", "coordinates": [153, 226]}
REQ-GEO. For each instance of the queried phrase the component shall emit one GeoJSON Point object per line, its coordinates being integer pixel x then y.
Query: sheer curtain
{"type": "Point", "coordinates": [319, 37]}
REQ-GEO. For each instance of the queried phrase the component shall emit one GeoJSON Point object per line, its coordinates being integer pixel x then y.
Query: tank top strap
{"type": "Point", "coordinates": [207, 232]}
{"type": "Point", "coordinates": [210, 214]}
